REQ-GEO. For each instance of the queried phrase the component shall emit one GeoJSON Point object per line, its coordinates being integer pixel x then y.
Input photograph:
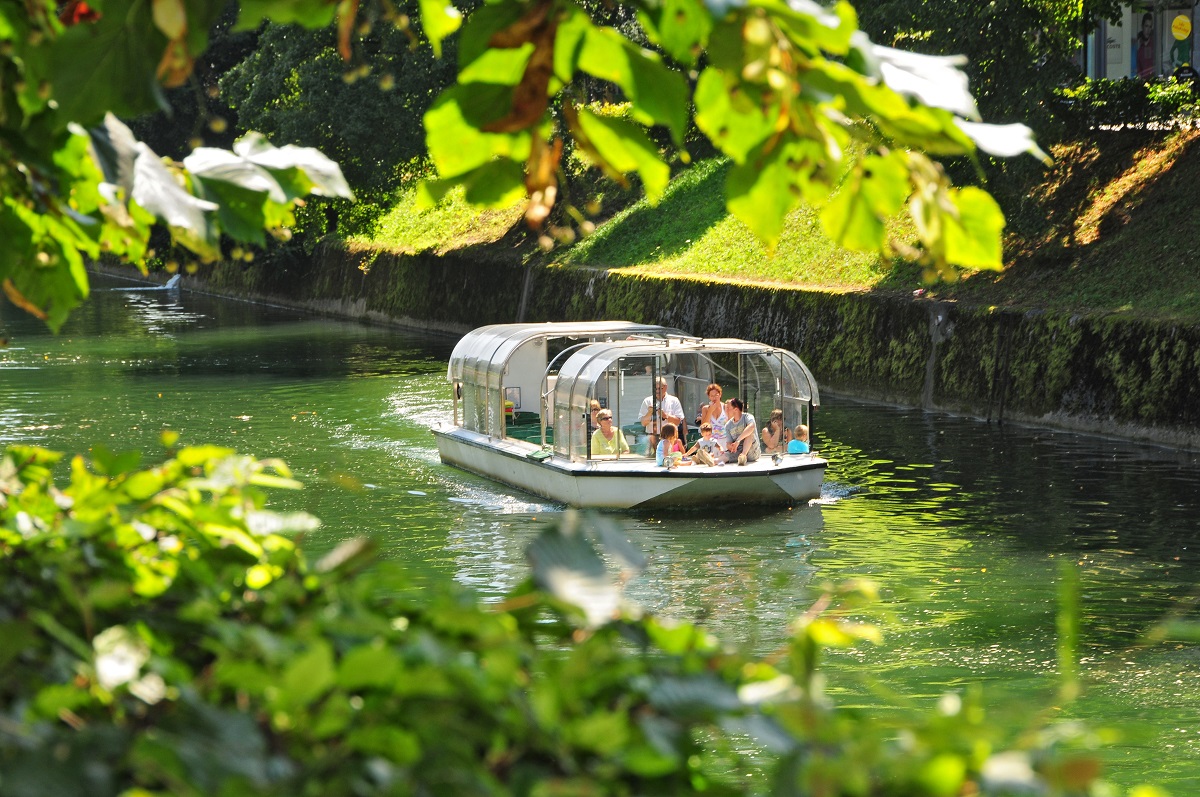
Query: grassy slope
{"type": "Point", "coordinates": [1111, 227]}
{"type": "Point", "coordinates": [1120, 231]}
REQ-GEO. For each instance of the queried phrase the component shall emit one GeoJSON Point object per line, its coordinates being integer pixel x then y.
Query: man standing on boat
{"type": "Point", "coordinates": [660, 408]}
{"type": "Point", "coordinates": [742, 432]}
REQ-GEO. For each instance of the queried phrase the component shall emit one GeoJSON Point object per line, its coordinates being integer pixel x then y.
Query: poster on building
{"type": "Point", "coordinates": [1116, 61]}
{"type": "Point", "coordinates": [1181, 41]}
{"type": "Point", "coordinates": [1143, 44]}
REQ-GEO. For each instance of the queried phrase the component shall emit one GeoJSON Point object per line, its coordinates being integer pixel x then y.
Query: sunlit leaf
{"type": "Point", "coordinates": [156, 190]}
{"type": "Point", "coordinates": [943, 775]}
{"type": "Point", "coordinates": [1004, 141]}
{"type": "Point", "coordinates": [625, 147]}
{"type": "Point", "coordinates": [734, 122]}
{"type": "Point", "coordinates": [439, 19]}
{"type": "Point", "coordinates": [680, 27]}
{"type": "Point", "coordinates": [761, 191]}
{"type": "Point", "coordinates": [310, 13]}
{"type": "Point", "coordinates": [659, 95]}
{"type": "Point", "coordinates": [457, 145]}
{"type": "Point", "coordinates": [973, 238]}
{"type": "Point", "coordinates": [497, 184]}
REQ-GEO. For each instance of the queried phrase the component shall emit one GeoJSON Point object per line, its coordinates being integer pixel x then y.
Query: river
{"type": "Point", "coordinates": [964, 524]}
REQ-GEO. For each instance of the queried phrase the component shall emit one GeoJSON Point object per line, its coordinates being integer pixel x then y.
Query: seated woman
{"type": "Point", "coordinates": [775, 435]}
{"type": "Point", "coordinates": [608, 440]}
{"type": "Point", "coordinates": [669, 453]}
{"type": "Point", "coordinates": [714, 407]}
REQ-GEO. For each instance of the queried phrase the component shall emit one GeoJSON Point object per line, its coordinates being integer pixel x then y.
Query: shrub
{"type": "Point", "coordinates": [159, 634]}
{"type": "Point", "coordinates": [1128, 103]}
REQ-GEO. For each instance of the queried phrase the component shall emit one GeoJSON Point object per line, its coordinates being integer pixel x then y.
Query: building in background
{"type": "Point", "coordinates": [1151, 40]}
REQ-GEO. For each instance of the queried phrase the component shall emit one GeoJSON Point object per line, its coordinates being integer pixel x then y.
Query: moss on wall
{"type": "Point", "coordinates": [1100, 373]}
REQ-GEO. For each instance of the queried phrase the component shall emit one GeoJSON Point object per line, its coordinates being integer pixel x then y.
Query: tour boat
{"type": "Point", "coordinates": [523, 396]}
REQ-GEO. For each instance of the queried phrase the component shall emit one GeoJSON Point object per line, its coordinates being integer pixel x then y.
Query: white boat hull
{"type": "Point", "coordinates": [631, 482]}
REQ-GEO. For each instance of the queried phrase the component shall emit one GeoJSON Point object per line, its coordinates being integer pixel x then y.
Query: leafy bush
{"type": "Point", "coordinates": [159, 634]}
{"type": "Point", "coordinates": [1123, 103]}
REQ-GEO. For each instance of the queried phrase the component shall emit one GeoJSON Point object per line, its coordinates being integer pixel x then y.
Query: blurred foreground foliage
{"type": "Point", "coordinates": [159, 634]}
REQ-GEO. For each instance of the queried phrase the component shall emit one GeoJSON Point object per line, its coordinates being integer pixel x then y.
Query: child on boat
{"type": "Point", "coordinates": [707, 450]}
{"type": "Point", "coordinates": [670, 451]}
{"type": "Point", "coordinates": [799, 442]}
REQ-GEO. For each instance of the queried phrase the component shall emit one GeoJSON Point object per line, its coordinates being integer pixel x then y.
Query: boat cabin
{"type": "Point", "coordinates": [503, 375]}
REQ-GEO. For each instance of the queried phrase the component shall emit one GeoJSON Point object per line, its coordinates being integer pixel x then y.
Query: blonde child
{"type": "Point", "coordinates": [799, 441]}
{"type": "Point", "coordinates": [707, 450]}
{"type": "Point", "coordinates": [669, 453]}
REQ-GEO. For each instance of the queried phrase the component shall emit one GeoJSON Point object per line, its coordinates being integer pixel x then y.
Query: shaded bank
{"type": "Point", "coordinates": [1088, 372]}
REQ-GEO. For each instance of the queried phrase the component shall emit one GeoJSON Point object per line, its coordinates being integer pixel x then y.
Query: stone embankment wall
{"type": "Point", "coordinates": [1095, 373]}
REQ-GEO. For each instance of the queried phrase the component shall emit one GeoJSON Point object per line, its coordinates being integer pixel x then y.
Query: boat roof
{"type": "Point", "coordinates": [588, 363]}
{"type": "Point", "coordinates": [488, 348]}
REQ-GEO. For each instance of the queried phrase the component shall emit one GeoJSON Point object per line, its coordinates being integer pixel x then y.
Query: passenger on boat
{"type": "Point", "coordinates": [799, 442]}
{"type": "Point", "coordinates": [669, 410]}
{"type": "Point", "coordinates": [669, 453]}
{"type": "Point", "coordinates": [706, 450]}
{"type": "Point", "coordinates": [594, 413]}
{"type": "Point", "coordinates": [775, 435]}
{"type": "Point", "coordinates": [608, 439]}
{"type": "Point", "coordinates": [742, 432]}
{"type": "Point", "coordinates": [712, 409]}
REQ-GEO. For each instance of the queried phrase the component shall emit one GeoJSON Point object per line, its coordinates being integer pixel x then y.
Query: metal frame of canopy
{"type": "Point", "coordinates": [766, 377]}
{"type": "Point", "coordinates": [483, 358]}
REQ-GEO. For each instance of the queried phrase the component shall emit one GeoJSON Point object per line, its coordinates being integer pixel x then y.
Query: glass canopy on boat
{"type": "Point", "coordinates": [504, 369]}
{"type": "Point", "coordinates": [620, 373]}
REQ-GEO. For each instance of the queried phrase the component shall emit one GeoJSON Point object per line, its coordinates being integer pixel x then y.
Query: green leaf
{"type": "Point", "coordinates": [694, 697]}
{"type": "Point", "coordinates": [972, 239]}
{"type": "Point", "coordinates": [104, 66]}
{"type": "Point", "coordinates": [680, 27]}
{"type": "Point", "coordinates": [240, 211]}
{"type": "Point", "coordinates": [483, 23]}
{"type": "Point", "coordinates": [309, 13]}
{"type": "Point", "coordinates": [573, 28]}
{"type": "Point", "coordinates": [456, 143]}
{"type": "Point", "coordinates": [856, 216]}
{"type": "Point", "coordinates": [732, 121]}
{"type": "Point", "coordinates": [439, 19]}
{"type": "Point", "coordinates": [498, 184]}
{"type": "Point", "coordinates": [394, 744]}
{"type": "Point", "coordinates": [806, 23]}
{"type": "Point", "coordinates": [195, 456]}
{"type": "Point", "coordinates": [625, 148]}
{"type": "Point", "coordinates": [943, 775]}
{"type": "Point", "coordinates": [762, 191]}
{"type": "Point", "coordinates": [308, 676]}
{"type": "Point", "coordinates": [658, 94]}
{"type": "Point", "coordinates": [143, 484]}
{"type": "Point", "coordinates": [500, 66]}
{"type": "Point", "coordinates": [368, 666]}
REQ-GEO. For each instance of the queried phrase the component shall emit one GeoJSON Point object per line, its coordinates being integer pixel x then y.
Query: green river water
{"type": "Point", "coordinates": [963, 524]}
